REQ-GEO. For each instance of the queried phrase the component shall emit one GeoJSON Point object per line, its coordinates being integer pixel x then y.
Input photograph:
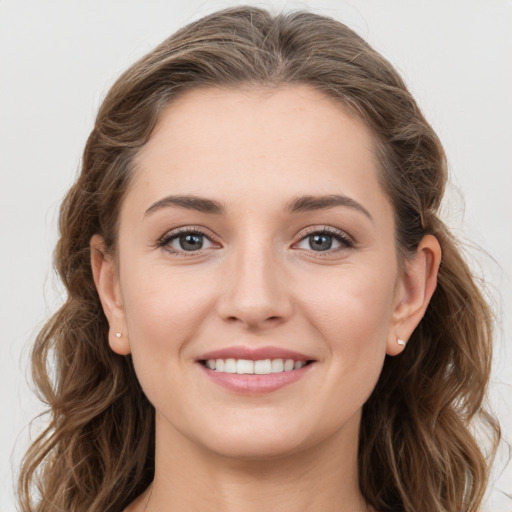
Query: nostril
{"type": "Point", "coordinates": [233, 318]}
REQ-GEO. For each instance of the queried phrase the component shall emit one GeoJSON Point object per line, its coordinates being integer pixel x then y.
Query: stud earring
{"type": "Point", "coordinates": [118, 334]}
{"type": "Point", "coordinates": [401, 342]}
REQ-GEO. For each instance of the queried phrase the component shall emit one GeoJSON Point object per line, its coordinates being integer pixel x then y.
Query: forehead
{"type": "Point", "coordinates": [259, 141]}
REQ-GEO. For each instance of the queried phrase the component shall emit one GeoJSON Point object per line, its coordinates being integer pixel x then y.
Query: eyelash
{"type": "Point", "coordinates": [340, 236]}
{"type": "Point", "coordinates": [164, 241]}
{"type": "Point", "coordinates": [346, 242]}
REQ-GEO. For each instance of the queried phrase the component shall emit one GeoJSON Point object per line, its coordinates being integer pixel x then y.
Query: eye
{"type": "Point", "coordinates": [185, 241]}
{"type": "Point", "coordinates": [326, 239]}
{"type": "Point", "coordinates": [189, 242]}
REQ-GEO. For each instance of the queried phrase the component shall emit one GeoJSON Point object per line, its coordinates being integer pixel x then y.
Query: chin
{"type": "Point", "coordinates": [261, 449]}
{"type": "Point", "coordinates": [263, 440]}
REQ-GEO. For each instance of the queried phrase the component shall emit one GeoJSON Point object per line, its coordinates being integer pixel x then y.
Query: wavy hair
{"type": "Point", "coordinates": [416, 448]}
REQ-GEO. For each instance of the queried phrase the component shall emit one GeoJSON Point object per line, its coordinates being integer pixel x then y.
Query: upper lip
{"type": "Point", "coordinates": [254, 354]}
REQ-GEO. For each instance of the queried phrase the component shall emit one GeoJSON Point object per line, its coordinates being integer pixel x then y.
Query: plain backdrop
{"type": "Point", "coordinates": [58, 59]}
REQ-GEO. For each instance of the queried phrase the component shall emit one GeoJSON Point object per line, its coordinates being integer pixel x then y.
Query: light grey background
{"type": "Point", "coordinates": [57, 60]}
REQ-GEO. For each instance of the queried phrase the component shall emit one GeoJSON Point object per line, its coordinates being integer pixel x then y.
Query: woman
{"type": "Point", "coordinates": [264, 310]}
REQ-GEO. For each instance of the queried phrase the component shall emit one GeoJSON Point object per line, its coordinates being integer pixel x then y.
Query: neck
{"type": "Point", "coordinates": [189, 478]}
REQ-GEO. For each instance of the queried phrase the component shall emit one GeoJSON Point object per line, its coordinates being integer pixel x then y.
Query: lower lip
{"type": "Point", "coordinates": [256, 384]}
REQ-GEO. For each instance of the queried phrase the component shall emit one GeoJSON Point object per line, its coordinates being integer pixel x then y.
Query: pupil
{"type": "Point", "coordinates": [191, 242]}
{"type": "Point", "coordinates": [320, 242]}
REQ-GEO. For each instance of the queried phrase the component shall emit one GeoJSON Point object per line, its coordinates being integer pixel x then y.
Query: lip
{"type": "Point", "coordinates": [255, 384]}
{"type": "Point", "coordinates": [255, 354]}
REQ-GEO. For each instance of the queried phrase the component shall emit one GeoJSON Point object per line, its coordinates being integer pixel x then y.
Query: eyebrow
{"type": "Point", "coordinates": [310, 203]}
{"type": "Point", "coordinates": [199, 204]}
{"type": "Point", "coordinates": [297, 205]}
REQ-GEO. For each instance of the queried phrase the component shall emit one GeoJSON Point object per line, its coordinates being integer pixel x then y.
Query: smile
{"type": "Point", "coordinates": [250, 367]}
{"type": "Point", "coordinates": [255, 370]}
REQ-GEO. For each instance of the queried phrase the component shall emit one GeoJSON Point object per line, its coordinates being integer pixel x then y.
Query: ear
{"type": "Point", "coordinates": [415, 290]}
{"type": "Point", "coordinates": [106, 280]}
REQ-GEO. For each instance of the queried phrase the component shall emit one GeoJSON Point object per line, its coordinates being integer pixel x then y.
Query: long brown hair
{"type": "Point", "coordinates": [416, 448]}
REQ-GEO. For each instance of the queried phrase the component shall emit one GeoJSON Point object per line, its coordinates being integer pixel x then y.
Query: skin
{"type": "Point", "coordinates": [258, 281]}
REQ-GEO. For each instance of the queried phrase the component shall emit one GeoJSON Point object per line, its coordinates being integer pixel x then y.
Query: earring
{"type": "Point", "coordinates": [118, 334]}
{"type": "Point", "coordinates": [401, 342]}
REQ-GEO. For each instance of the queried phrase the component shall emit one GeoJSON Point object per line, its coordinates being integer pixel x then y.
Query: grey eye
{"type": "Point", "coordinates": [191, 242]}
{"type": "Point", "coordinates": [320, 242]}
{"type": "Point", "coordinates": [323, 241]}
{"type": "Point", "coordinates": [186, 241]}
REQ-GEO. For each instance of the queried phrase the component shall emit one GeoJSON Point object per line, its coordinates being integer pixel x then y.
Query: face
{"type": "Point", "coordinates": [255, 238]}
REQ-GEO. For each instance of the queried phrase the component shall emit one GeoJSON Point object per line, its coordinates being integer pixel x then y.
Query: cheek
{"type": "Point", "coordinates": [156, 297]}
{"type": "Point", "coordinates": [163, 311]}
{"type": "Point", "coordinates": [352, 311]}
{"type": "Point", "coordinates": [354, 302]}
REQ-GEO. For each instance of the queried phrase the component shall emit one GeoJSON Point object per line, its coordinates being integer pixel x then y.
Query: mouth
{"type": "Point", "coordinates": [255, 371]}
{"type": "Point", "coordinates": [254, 367]}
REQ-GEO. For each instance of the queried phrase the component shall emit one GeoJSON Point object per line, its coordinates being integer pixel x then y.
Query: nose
{"type": "Point", "coordinates": [255, 290]}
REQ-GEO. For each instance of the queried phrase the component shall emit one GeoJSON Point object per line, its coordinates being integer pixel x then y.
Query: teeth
{"type": "Point", "coordinates": [260, 367]}
{"type": "Point", "coordinates": [229, 366]}
{"type": "Point", "coordinates": [289, 364]}
{"type": "Point", "coordinates": [263, 367]}
{"type": "Point", "coordinates": [277, 366]}
{"type": "Point", "coordinates": [244, 366]}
